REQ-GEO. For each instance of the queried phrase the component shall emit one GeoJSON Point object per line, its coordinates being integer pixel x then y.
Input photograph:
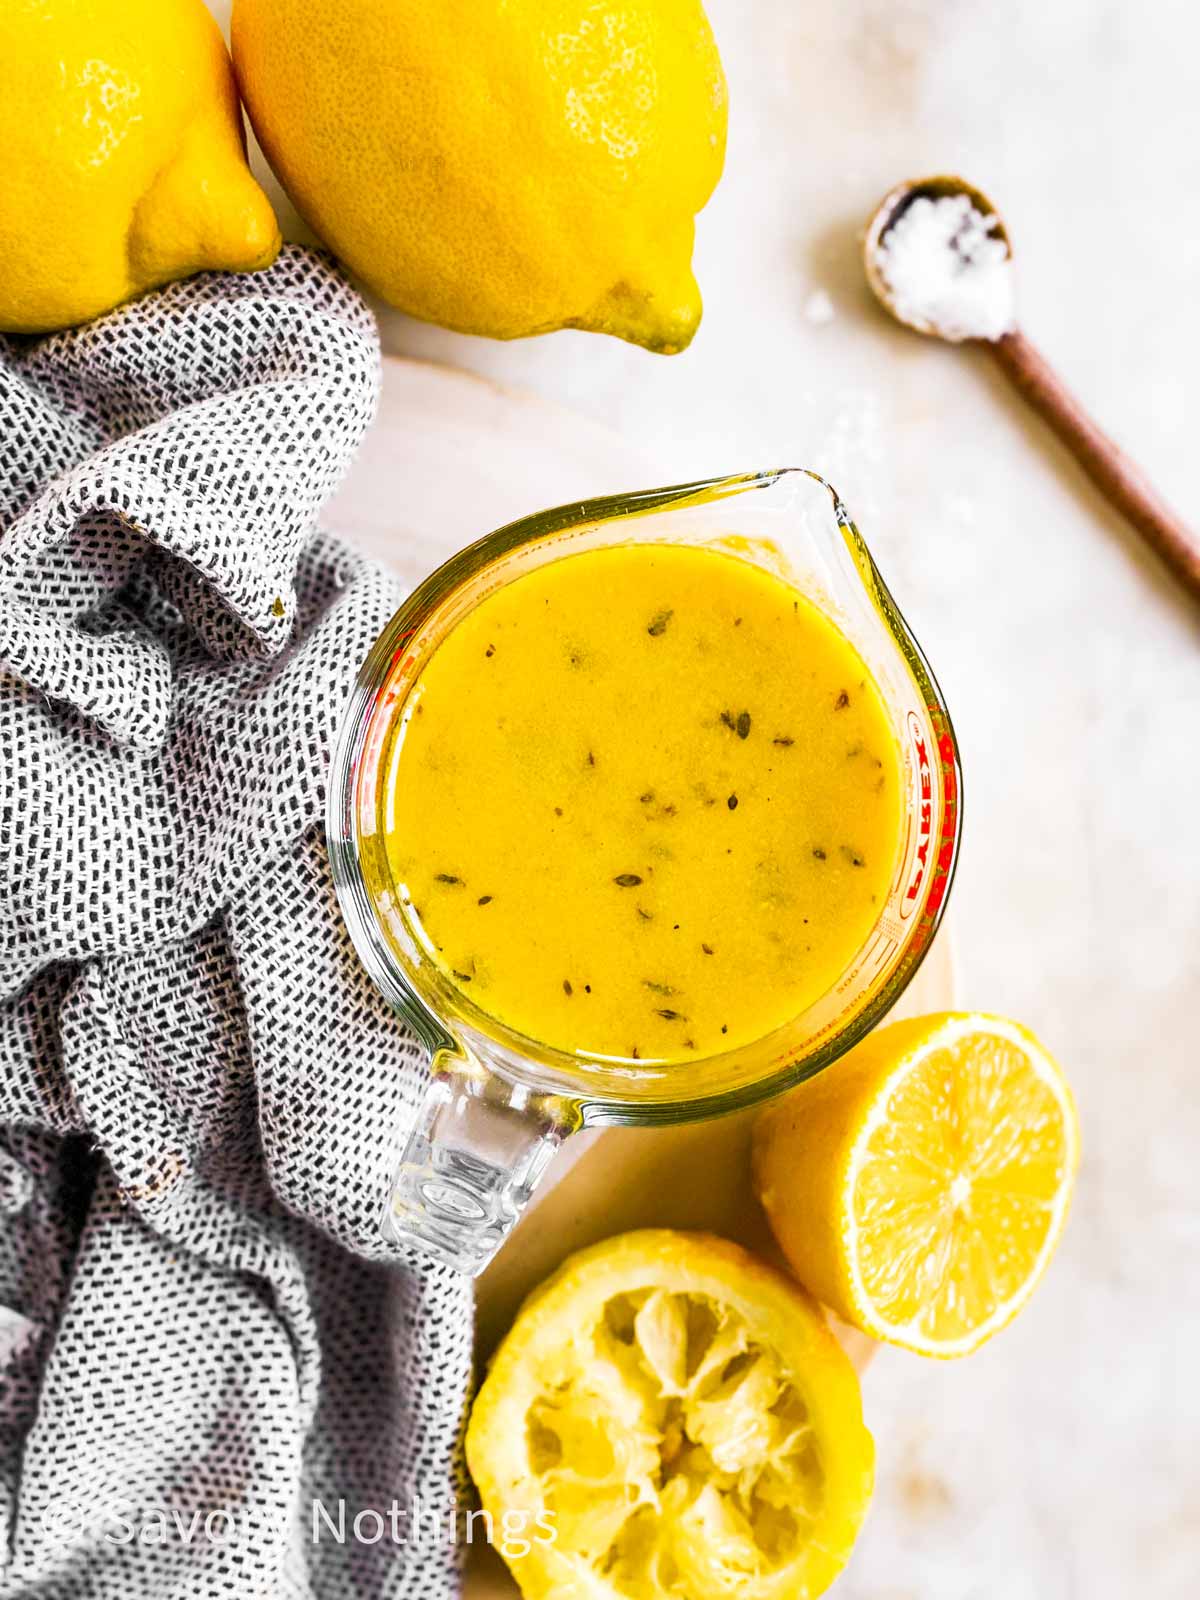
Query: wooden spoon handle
{"type": "Point", "coordinates": [1118, 478]}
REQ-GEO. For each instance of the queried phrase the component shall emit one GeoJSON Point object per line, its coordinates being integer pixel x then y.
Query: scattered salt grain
{"type": "Point", "coordinates": [947, 271]}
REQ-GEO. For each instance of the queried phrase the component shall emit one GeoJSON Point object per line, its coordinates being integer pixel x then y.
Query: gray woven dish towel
{"type": "Point", "coordinates": [215, 1380]}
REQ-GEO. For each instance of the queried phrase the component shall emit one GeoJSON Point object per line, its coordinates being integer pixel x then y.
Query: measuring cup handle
{"type": "Point", "coordinates": [478, 1150]}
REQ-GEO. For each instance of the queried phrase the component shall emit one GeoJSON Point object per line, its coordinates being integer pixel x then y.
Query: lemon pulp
{"type": "Point", "coordinates": [681, 1421]}
{"type": "Point", "coordinates": [959, 1191]}
{"type": "Point", "coordinates": [920, 1185]}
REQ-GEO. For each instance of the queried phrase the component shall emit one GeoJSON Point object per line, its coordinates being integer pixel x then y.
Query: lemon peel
{"type": "Point", "coordinates": [501, 170]}
{"type": "Point", "coordinates": [125, 160]}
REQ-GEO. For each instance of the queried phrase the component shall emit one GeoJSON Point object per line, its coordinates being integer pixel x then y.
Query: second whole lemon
{"type": "Point", "coordinates": [124, 160]}
{"type": "Point", "coordinates": [501, 167]}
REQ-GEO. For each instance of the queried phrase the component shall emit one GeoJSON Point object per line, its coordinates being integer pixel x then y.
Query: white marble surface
{"type": "Point", "coordinates": [1062, 1462]}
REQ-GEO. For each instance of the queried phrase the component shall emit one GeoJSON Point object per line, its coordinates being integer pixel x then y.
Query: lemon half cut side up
{"type": "Point", "coordinates": [920, 1185]}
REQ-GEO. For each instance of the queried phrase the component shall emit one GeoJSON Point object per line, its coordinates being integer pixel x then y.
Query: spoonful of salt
{"type": "Point", "coordinates": [939, 258]}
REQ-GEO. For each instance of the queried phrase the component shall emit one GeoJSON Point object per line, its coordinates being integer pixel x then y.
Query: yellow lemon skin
{"type": "Point", "coordinates": [669, 1418]}
{"type": "Point", "coordinates": [498, 168]}
{"type": "Point", "coordinates": [920, 1185]}
{"type": "Point", "coordinates": [124, 157]}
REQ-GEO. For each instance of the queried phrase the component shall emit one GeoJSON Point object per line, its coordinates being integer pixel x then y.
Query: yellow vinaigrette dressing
{"type": "Point", "coordinates": [645, 803]}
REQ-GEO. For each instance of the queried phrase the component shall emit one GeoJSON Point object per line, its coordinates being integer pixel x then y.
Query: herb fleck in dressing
{"type": "Point", "coordinates": [578, 780]}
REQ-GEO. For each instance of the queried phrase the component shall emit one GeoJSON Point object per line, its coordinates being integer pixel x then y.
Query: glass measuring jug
{"type": "Point", "coordinates": [499, 1103]}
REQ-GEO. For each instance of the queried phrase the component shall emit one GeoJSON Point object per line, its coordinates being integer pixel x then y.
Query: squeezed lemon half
{"type": "Point", "coordinates": [920, 1185]}
{"type": "Point", "coordinates": [680, 1419]}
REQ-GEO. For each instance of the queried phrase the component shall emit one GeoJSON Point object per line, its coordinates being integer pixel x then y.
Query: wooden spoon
{"type": "Point", "coordinates": [1117, 477]}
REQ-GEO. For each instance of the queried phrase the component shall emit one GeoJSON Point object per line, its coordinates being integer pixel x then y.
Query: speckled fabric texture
{"type": "Point", "coordinates": [215, 1379]}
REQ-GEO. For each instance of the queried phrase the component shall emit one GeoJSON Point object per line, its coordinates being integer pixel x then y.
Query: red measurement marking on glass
{"type": "Point", "coordinates": [923, 818]}
{"type": "Point", "coordinates": [379, 725]}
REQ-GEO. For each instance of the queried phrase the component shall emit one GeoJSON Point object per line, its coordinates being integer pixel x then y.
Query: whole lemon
{"type": "Point", "coordinates": [502, 167]}
{"type": "Point", "coordinates": [124, 160]}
